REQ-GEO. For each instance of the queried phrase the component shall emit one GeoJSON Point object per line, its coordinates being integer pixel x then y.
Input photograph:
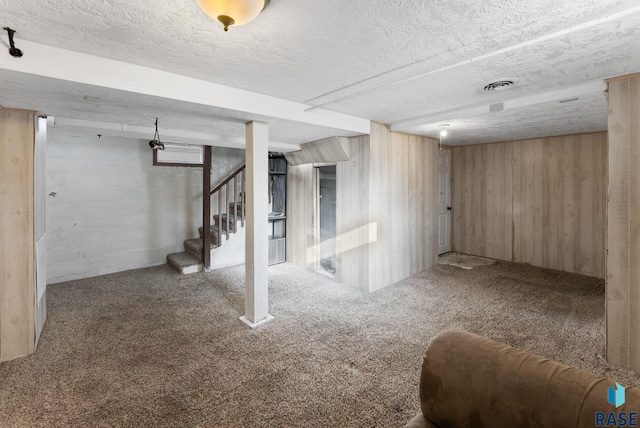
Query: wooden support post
{"type": "Point", "coordinates": [206, 209]}
{"type": "Point", "coordinates": [257, 244]}
{"type": "Point", "coordinates": [17, 249]}
{"type": "Point", "coordinates": [623, 224]}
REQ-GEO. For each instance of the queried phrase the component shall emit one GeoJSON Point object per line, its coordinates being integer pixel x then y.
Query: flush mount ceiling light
{"type": "Point", "coordinates": [233, 12]}
{"type": "Point", "coordinates": [443, 133]}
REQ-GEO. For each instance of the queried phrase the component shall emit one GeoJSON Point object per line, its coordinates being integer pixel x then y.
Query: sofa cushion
{"type": "Point", "coordinates": [470, 381]}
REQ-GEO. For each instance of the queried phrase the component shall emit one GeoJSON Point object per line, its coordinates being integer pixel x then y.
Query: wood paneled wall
{"type": "Point", "coordinates": [301, 235]}
{"type": "Point", "coordinates": [17, 253]}
{"type": "Point", "coordinates": [539, 201]}
{"type": "Point", "coordinates": [402, 205]}
{"type": "Point", "coordinates": [623, 230]}
{"type": "Point", "coordinates": [386, 209]}
{"type": "Point", "coordinates": [352, 215]}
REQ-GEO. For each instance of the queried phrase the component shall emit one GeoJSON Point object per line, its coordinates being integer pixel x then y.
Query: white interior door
{"type": "Point", "coordinates": [444, 201]}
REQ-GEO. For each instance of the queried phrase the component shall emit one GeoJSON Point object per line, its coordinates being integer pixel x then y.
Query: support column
{"type": "Point", "coordinates": [256, 311]}
{"type": "Point", "coordinates": [623, 224]}
{"type": "Point", "coordinates": [17, 246]}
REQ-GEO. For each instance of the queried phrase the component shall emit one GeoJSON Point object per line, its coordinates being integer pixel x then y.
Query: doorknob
{"type": "Point", "coordinates": [448, 208]}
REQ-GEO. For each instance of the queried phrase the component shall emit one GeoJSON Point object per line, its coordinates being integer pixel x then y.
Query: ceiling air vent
{"type": "Point", "coordinates": [498, 85]}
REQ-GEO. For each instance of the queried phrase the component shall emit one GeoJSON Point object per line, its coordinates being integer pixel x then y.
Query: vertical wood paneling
{"type": "Point", "coordinates": [414, 201]}
{"type": "Point", "coordinates": [352, 215]}
{"type": "Point", "coordinates": [430, 205]}
{"type": "Point", "coordinates": [403, 205]}
{"type": "Point", "coordinates": [600, 168]}
{"type": "Point", "coordinates": [528, 161]}
{"type": "Point", "coordinates": [457, 197]}
{"type": "Point", "coordinates": [569, 200]}
{"type": "Point", "coordinates": [534, 201]}
{"type": "Point", "coordinates": [386, 209]}
{"type": "Point", "coordinates": [301, 231]}
{"type": "Point", "coordinates": [634, 223]}
{"type": "Point", "coordinates": [17, 253]}
{"type": "Point", "coordinates": [551, 199]}
{"type": "Point", "coordinates": [478, 161]}
{"type": "Point", "coordinates": [623, 229]}
{"type": "Point", "coordinates": [381, 210]}
{"type": "Point", "coordinates": [497, 209]}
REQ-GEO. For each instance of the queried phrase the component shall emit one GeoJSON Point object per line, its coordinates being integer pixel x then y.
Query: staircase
{"type": "Point", "coordinates": [227, 232]}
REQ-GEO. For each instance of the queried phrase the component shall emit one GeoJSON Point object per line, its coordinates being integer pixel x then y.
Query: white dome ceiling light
{"type": "Point", "coordinates": [443, 133]}
{"type": "Point", "coordinates": [233, 12]}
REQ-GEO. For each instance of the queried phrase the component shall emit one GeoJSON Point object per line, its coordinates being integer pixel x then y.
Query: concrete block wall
{"type": "Point", "coordinates": [110, 210]}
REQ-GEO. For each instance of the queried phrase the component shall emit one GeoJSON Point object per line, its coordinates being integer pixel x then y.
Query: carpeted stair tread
{"type": "Point", "coordinates": [238, 206]}
{"type": "Point", "coordinates": [191, 260]}
{"type": "Point", "coordinates": [184, 263]}
{"type": "Point", "coordinates": [197, 244]}
{"type": "Point", "coordinates": [194, 247]}
{"type": "Point", "coordinates": [223, 218]}
{"type": "Point", "coordinates": [213, 232]}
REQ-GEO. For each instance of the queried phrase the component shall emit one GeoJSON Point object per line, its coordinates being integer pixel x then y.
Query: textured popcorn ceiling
{"type": "Point", "coordinates": [383, 60]}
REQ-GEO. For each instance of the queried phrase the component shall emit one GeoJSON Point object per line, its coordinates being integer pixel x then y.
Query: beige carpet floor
{"type": "Point", "coordinates": [153, 348]}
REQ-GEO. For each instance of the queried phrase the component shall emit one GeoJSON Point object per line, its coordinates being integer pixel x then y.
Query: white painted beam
{"type": "Point", "coordinates": [168, 135]}
{"type": "Point", "coordinates": [56, 63]}
{"type": "Point", "coordinates": [577, 91]}
{"type": "Point", "coordinates": [256, 311]}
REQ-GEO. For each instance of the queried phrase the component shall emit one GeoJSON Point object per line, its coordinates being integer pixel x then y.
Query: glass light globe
{"type": "Point", "coordinates": [232, 12]}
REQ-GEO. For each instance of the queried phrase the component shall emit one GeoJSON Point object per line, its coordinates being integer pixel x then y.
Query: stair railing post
{"type": "Point", "coordinates": [235, 200]}
{"type": "Point", "coordinates": [206, 209]}
{"type": "Point", "coordinates": [242, 193]}
{"type": "Point", "coordinates": [219, 218]}
{"type": "Point", "coordinates": [227, 210]}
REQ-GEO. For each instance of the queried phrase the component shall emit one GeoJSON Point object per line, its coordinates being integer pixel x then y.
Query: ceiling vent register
{"type": "Point", "coordinates": [499, 85]}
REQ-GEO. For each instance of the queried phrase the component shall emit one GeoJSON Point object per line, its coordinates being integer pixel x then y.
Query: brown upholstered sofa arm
{"type": "Point", "coordinates": [469, 381]}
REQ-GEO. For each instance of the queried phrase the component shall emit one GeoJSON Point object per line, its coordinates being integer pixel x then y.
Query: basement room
{"type": "Point", "coordinates": [283, 213]}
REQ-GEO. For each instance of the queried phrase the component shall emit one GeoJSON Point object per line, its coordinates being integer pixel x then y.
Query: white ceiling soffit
{"type": "Point", "coordinates": [585, 114]}
{"type": "Point", "coordinates": [90, 103]}
{"type": "Point", "coordinates": [389, 61]}
{"type": "Point", "coordinates": [87, 69]}
{"type": "Point", "coordinates": [585, 103]}
{"type": "Point", "coordinates": [179, 136]}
